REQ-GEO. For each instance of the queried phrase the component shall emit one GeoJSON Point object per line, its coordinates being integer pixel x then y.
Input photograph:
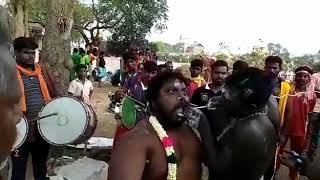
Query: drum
{"type": "Point", "coordinates": [128, 113]}
{"type": "Point", "coordinates": [22, 132]}
{"type": "Point", "coordinates": [74, 123]}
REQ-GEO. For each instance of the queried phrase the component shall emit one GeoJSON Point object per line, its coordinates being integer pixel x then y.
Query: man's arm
{"type": "Point", "coordinates": [72, 88]}
{"type": "Point", "coordinates": [129, 158]}
{"type": "Point", "coordinates": [90, 94]}
{"type": "Point", "coordinates": [274, 114]}
{"type": "Point", "coordinates": [49, 81]}
{"type": "Point", "coordinates": [208, 142]}
{"type": "Point", "coordinates": [91, 91]}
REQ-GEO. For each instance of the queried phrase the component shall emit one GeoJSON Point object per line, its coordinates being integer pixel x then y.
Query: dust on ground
{"type": "Point", "coordinates": [100, 102]}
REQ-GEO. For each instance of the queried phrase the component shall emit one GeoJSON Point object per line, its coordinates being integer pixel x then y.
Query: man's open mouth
{"type": "Point", "coordinates": [180, 114]}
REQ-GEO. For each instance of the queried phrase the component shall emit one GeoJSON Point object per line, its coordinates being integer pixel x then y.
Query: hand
{"type": "Point", "coordinates": [290, 159]}
{"type": "Point", "coordinates": [283, 140]}
{"type": "Point", "coordinates": [308, 168]}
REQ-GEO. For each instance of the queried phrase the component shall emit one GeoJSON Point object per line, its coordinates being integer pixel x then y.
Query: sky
{"type": "Point", "coordinates": [241, 23]}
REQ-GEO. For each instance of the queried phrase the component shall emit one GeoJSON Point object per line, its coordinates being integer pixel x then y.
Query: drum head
{"type": "Point", "coordinates": [22, 132]}
{"type": "Point", "coordinates": [128, 113]}
{"type": "Point", "coordinates": [66, 127]}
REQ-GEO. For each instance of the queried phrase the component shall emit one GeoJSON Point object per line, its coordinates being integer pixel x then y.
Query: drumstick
{"type": "Point", "coordinates": [136, 101]}
{"type": "Point", "coordinates": [43, 117]}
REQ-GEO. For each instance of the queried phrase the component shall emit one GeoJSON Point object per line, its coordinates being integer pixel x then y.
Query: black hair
{"type": "Point", "coordinates": [24, 43]}
{"type": "Point", "coordinates": [75, 50]}
{"type": "Point", "coordinates": [168, 62]}
{"type": "Point", "coordinates": [161, 66]}
{"type": "Point", "coordinates": [304, 68]}
{"type": "Point", "coordinates": [219, 63]}
{"type": "Point", "coordinates": [80, 66]}
{"type": "Point", "coordinates": [254, 84]}
{"type": "Point", "coordinates": [82, 51]}
{"type": "Point", "coordinates": [160, 80]}
{"type": "Point", "coordinates": [240, 65]}
{"type": "Point", "coordinates": [102, 53]}
{"type": "Point", "coordinates": [196, 63]}
{"type": "Point", "coordinates": [126, 56]}
{"type": "Point", "coordinates": [150, 66]}
{"type": "Point", "coordinates": [273, 59]}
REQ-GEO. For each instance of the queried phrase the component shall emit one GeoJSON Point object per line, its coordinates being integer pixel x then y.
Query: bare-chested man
{"type": "Point", "coordinates": [9, 98]}
{"type": "Point", "coordinates": [140, 153]}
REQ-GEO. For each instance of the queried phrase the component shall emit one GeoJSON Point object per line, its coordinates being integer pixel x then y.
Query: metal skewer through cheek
{"type": "Point", "coordinates": [136, 101]}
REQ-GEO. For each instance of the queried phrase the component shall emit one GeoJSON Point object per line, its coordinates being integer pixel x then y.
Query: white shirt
{"type": "Point", "coordinates": [77, 88]}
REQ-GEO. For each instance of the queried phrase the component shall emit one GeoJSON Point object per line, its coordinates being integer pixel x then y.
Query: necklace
{"type": "Point", "coordinates": [234, 122]}
{"type": "Point", "coordinates": [167, 144]}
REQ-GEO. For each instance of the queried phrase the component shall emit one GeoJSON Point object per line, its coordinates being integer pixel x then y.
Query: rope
{"type": "Point", "coordinates": [277, 97]}
{"type": "Point", "coordinates": [297, 94]}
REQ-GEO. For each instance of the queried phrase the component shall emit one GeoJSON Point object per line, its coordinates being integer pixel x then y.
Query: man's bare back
{"type": "Point", "coordinates": [140, 155]}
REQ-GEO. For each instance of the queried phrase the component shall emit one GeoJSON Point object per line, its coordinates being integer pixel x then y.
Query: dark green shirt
{"type": "Point", "coordinates": [76, 58]}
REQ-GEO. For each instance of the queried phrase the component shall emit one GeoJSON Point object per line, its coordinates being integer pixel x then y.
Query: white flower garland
{"type": "Point", "coordinates": [168, 146]}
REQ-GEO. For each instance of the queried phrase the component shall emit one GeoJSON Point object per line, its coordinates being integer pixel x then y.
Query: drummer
{"type": "Point", "coordinates": [130, 77]}
{"type": "Point", "coordinates": [9, 97]}
{"type": "Point", "coordinates": [150, 70]}
{"type": "Point", "coordinates": [35, 94]}
{"type": "Point", "coordinates": [81, 87]}
{"type": "Point", "coordinates": [138, 92]}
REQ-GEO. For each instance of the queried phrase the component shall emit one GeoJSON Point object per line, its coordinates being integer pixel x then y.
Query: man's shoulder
{"type": "Point", "coordinates": [201, 89]}
{"type": "Point", "coordinates": [88, 82]}
{"type": "Point", "coordinates": [141, 131]}
{"type": "Point", "coordinates": [75, 81]}
{"type": "Point", "coordinates": [316, 74]}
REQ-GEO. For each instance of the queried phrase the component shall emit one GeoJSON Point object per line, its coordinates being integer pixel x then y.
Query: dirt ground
{"type": "Point", "coordinates": [100, 101]}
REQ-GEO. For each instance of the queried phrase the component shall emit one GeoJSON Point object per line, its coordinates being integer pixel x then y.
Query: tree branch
{"type": "Point", "coordinates": [83, 34]}
{"type": "Point", "coordinates": [87, 24]}
{"type": "Point", "coordinates": [108, 26]}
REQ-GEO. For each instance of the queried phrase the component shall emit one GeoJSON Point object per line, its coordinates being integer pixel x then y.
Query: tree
{"type": "Point", "coordinates": [128, 21]}
{"type": "Point", "coordinates": [82, 14]}
{"type": "Point", "coordinates": [20, 26]}
{"type": "Point", "coordinates": [56, 43]}
{"type": "Point", "coordinates": [138, 17]}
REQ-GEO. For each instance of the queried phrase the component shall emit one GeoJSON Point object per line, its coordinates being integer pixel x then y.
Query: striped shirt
{"type": "Point", "coordinates": [34, 103]}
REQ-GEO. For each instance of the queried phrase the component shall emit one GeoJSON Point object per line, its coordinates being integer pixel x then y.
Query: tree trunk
{"type": "Point", "coordinates": [57, 42]}
{"type": "Point", "coordinates": [20, 18]}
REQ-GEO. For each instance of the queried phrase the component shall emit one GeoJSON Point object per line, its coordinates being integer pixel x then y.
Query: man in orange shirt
{"type": "Point", "coordinates": [296, 115]}
{"type": "Point", "coordinates": [197, 81]}
{"type": "Point", "coordinates": [36, 92]}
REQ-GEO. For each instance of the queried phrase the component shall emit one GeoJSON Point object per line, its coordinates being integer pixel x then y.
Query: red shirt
{"type": "Point", "coordinates": [299, 106]}
{"type": "Point", "coordinates": [193, 86]}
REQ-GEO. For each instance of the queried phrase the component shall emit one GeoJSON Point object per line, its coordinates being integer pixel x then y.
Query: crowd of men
{"type": "Point", "coordinates": [174, 138]}
{"type": "Point", "coordinates": [296, 103]}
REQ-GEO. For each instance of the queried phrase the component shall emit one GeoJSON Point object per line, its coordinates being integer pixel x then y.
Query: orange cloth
{"type": "Point", "coordinates": [37, 72]}
{"type": "Point", "coordinates": [199, 80]}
